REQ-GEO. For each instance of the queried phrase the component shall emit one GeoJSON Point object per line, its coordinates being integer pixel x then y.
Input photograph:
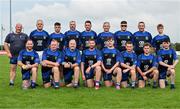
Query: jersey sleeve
{"type": "Point", "coordinates": [139, 61]}
{"type": "Point", "coordinates": [175, 57]}
{"type": "Point", "coordinates": [99, 56]}
{"type": "Point", "coordinates": [59, 58]}
{"type": "Point", "coordinates": [20, 55]}
{"type": "Point", "coordinates": [135, 59]}
{"type": "Point", "coordinates": [36, 56]}
{"type": "Point", "coordinates": [154, 61]}
{"type": "Point", "coordinates": [159, 58]}
{"type": "Point", "coordinates": [78, 60]}
{"type": "Point", "coordinates": [83, 57]}
{"type": "Point", "coordinates": [44, 55]}
{"type": "Point", "coordinates": [7, 39]}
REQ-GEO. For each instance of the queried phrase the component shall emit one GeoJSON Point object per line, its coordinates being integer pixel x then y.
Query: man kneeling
{"type": "Point", "coordinates": [28, 60]}
{"type": "Point", "coordinates": [147, 67]}
{"type": "Point", "coordinates": [51, 60]}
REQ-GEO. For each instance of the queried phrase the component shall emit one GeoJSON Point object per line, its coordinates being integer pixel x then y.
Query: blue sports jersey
{"type": "Point", "coordinates": [53, 56]}
{"type": "Point", "coordinates": [28, 57]}
{"type": "Point", "coordinates": [139, 39]}
{"type": "Point", "coordinates": [85, 36]}
{"type": "Point", "coordinates": [129, 58]}
{"type": "Point", "coordinates": [158, 40]}
{"type": "Point", "coordinates": [167, 56]}
{"type": "Point", "coordinates": [59, 37]}
{"type": "Point", "coordinates": [121, 38]}
{"type": "Point", "coordinates": [72, 35]}
{"type": "Point", "coordinates": [71, 56]}
{"type": "Point", "coordinates": [110, 57]}
{"type": "Point", "coordinates": [103, 38]}
{"type": "Point", "coordinates": [40, 39]}
{"type": "Point", "coordinates": [146, 62]}
{"type": "Point", "coordinates": [91, 57]}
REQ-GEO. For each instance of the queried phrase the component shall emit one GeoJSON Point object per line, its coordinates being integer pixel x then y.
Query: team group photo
{"type": "Point", "coordinates": [111, 59]}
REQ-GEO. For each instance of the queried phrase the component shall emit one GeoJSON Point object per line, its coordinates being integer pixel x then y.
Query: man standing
{"type": "Point", "coordinates": [13, 44]}
{"type": "Point", "coordinates": [40, 38]}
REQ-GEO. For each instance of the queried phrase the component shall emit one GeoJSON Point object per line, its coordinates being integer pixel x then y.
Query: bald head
{"type": "Point", "coordinates": [39, 24]}
{"type": "Point", "coordinates": [18, 28]}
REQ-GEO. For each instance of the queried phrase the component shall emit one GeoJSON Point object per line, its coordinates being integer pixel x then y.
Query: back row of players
{"type": "Point", "coordinates": [115, 57]}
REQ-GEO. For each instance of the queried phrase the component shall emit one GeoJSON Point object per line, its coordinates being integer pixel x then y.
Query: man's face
{"type": "Point", "coordinates": [72, 26]}
{"type": "Point", "coordinates": [72, 44]}
{"type": "Point", "coordinates": [110, 43]}
{"type": "Point", "coordinates": [106, 27]}
{"type": "Point", "coordinates": [123, 27]}
{"type": "Point", "coordinates": [129, 47]}
{"type": "Point", "coordinates": [166, 45]}
{"type": "Point", "coordinates": [160, 30]}
{"type": "Point", "coordinates": [87, 26]}
{"type": "Point", "coordinates": [146, 49]}
{"type": "Point", "coordinates": [92, 44]}
{"type": "Point", "coordinates": [18, 28]}
{"type": "Point", "coordinates": [57, 28]}
{"type": "Point", "coordinates": [29, 45]}
{"type": "Point", "coordinates": [39, 25]}
{"type": "Point", "coordinates": [141, 27]}
{"type": "Point", "coordinates": [54, 45]}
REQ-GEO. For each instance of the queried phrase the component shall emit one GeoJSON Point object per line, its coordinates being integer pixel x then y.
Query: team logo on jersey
{"type": "Point", "coordinates": [32, 58]}
{"type": "Point", "coordinates": [94, 56]}
{"type": "Point", "coordinates": [113, 55]}
{"type": "Point", "coordinates": [146, 67]}
{"type": "Point", "coordinates": [92, 37]}
{"type": "Point", "coordinates": [146, 38]}
{"type": "Point", "coordinates": [77, 36]}
{"type": "Point", "coordinates": [141, 43]}
{"type": "Point", "coordinates": [61, 39]}
{"type": "Point", "coordinates": [74, 58]}
{"type": "Point", "coordinates": [44, 37]}
{"type": "Point", "coordinates": [128, 37]}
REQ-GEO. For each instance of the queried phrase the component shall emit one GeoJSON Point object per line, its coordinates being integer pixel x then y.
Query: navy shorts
{"type": "Point", "coordinates": [13, 60]}
{"type": "Point", "coordinates": [46, 74]}
{"type": "Point", "coordinates": [125, 76]}
{"type": "Point", "coordinates": [26, 74]}
{"type": "Point", "coordinates": [68, 75]}
{"type": "Point", "coordinates": [89, 75]}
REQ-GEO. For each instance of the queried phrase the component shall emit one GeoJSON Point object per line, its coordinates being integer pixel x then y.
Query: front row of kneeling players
{"type": "Point", "coordinates": [116, 68]}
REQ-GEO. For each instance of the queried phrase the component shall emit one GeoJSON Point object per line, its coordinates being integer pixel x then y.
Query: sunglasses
{"type": "Point", "coordinates": [123, 25]}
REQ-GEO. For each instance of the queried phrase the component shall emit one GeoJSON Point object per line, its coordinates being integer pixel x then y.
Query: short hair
{"type": "Point", "coordinates": [160, 25]}
{"type": "Point", "coordinates": [72, 21]}
{"type": "Point", "coordinates": [129, 42]}
{"type": "Point", "coordinates": [39, 20]}
{"type": "Point", "coordinates": [141, 22]}
{"type": "Point", "coordinates": [147, 44]}
{"type": "Point", "coordinates": [57, 24]}
{"type": "Point", "coordinates": [110, 38]}
{"type": "Point", "coordinates": [123, 22]}
{"type": "Point", "coordinates": [91, 39]}
{"type": "Point", "coordinates": [87, 21]}
{"type": "Point", "coordinates": [29, 40]}
{"type": "Point", "coordinates": [54, 40]}
{"type": "Point", "coordinates": [106, 23]}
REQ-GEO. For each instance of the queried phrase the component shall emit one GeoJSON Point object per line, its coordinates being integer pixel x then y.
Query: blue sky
{"type": "Point", "coordinates": [151, 12]}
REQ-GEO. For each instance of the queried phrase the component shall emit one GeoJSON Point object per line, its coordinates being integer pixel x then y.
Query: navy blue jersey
{"type": "Point", "coordinates": [146, 62]}
{"type": "Point", "coordinates": [103, 38]}
{"type": "Point", "coordinates": [158, 40]}
{"type": "Point", "coordinates": [129, 58]}
{"type": "Point", "coordinates": [85, 36]}
{"type": "Point", "coordinates": [40, 39]}
{"type": "Point", "coordinates": [167, 56]}
{"type": "Point", "coordinates": [72, 35]}
{"type": "Point", "coordinates": [71, 56]}
{"type": "Point", "coordinates": [121, 38]}
{"type": "Point", "coordinates": [59, 37]}
{"type": "Point", "coordinates": [139, 39]}
{"type": "Point", "coordinates": [91, 57]}
{"type": "Point", "coordinates": [110, 57]}
{"type": "Point", "coordinates": [28, 57]}
{"type": "Point", "coordinates": [53, 56]}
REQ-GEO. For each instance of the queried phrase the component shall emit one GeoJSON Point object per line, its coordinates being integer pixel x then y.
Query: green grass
{"type": "Point", "coordinates": [83, 97]}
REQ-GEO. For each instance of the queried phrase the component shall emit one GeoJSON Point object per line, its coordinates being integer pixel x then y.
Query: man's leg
{"type": "Point", "coordinates": [118, 73]}
{"type": "Point", "coordinates": [97, 76]}
{"type": "Point", "coordinates": [76, 76]}
{"type": "Point", "coordinates": [155, 78]}
{"type": "Point", "coordinates": [12, 75]}
{"type": "Point", "coordinates": [56, 73]}
{"type": "Point", "coordinates": [133, 78]}
{"type": "Point", "coordinates": [172, 77]}
{"type": "Point", "coordinates": [141, 83]}
{"type": "Point", "coordinates": [34, 77]}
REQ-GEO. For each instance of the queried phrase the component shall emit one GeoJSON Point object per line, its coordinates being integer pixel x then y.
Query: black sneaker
{"type": "Point", "coordinates": [166, 82]}
{"type": "Point", "coordinates": [75, 85]}
{"type": "Point", "coordinates": [172, 86]}
{"type": "Point", "coordinates": [33, 85]}
{"type": "Point", "coordinates": [11, 84]}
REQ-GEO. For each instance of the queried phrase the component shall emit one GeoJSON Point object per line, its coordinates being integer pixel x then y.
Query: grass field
{"type": "Point", "coordinates": [83, 97]}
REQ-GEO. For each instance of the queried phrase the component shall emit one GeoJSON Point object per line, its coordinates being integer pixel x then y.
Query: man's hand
{"type": "Point", "coordinates": [144, 77]}
{"type": "Point", "coordinates": [67, 65]}
{"type": "Point", "coordinates": [56, 64]}
{"type": "Point", "coordinates": [9, 55]}
{"type": "Point", "coordinates": [88, 69]}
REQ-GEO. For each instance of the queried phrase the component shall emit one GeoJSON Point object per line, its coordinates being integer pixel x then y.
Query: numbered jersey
{"type": "Point", "coordinates": [146, 62]}
{"type": "Point", "coordinates": [166, 56]}
{"type": "Point", "coordinates": [103, 38]}
{"type": "Point", "coordinates": [121, 38]}
{"type": "Point", "coordinates": [28, 57]}
{"type": "Point", "coordinates": [71, 56]}
{"type": "Point", "coordinates": [128, 58]}
{"type": "Point", "coordinates": [110, 57]}
{"type": "Point", "coordinates": [140, 38]}
{"type": "Point", "coordinates": [91, 57]}
{"type": "Point", "coordinates": [72, 35]}
{"type": "Point", "coordinates": [157, 41]}
{"type": "Point", "coordinates": [59, 37]}
{"type": "Point", "coordinates": [53, 56]}
{"type": "Point", "coordinates": [85, 36]}
{"type": "Point", "coordinates": [40, 40]}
